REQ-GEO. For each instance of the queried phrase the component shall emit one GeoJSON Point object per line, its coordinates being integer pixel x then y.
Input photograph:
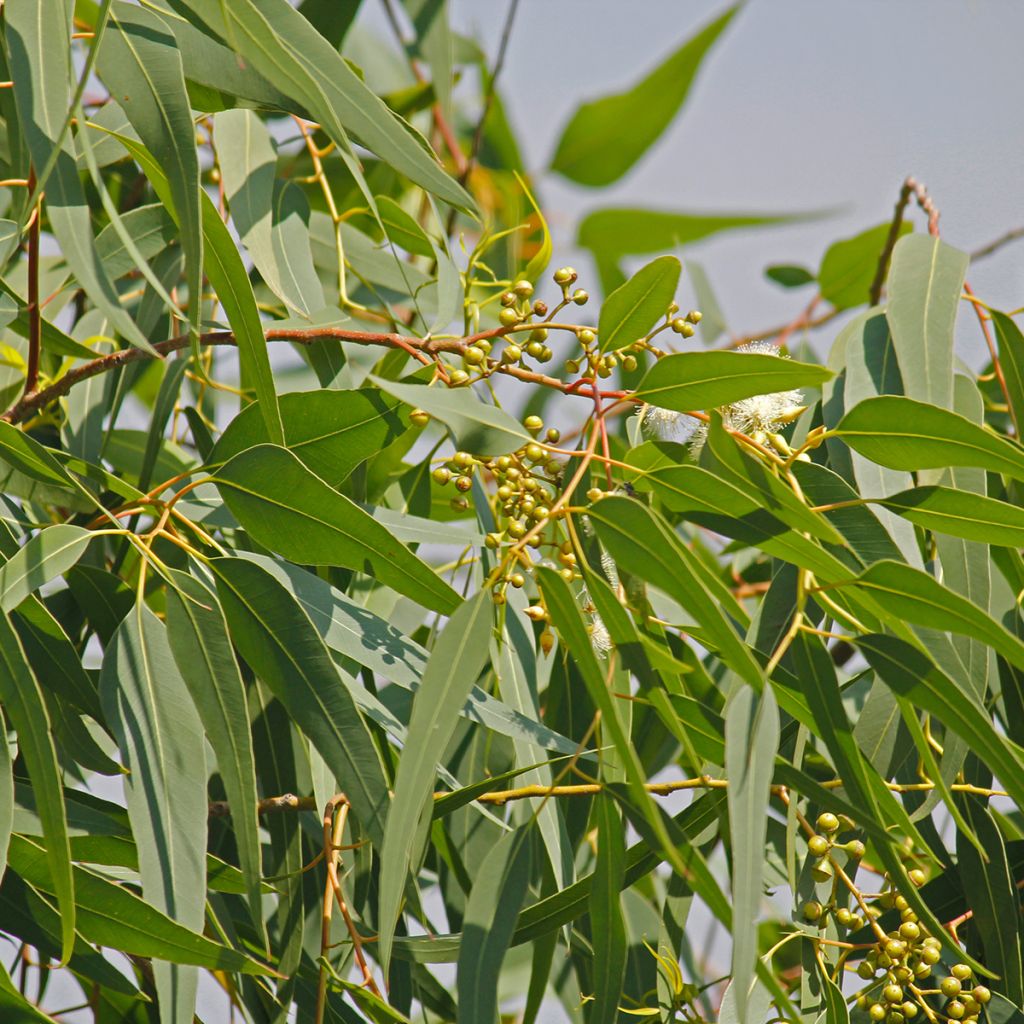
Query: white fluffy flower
{"type": "Point", "coordinates": [609, 568]}
{"type": "Point", "coordinates": [600, 638]}
{"type": "Point", "coordinates": [759, 415]}
{"type": "Point", "coordinates": [664, 424]}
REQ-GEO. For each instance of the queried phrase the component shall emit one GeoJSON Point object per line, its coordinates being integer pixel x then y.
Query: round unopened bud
{"type": "Point", "coordinates": [534, 452]}
{"type": "Point", "coordinates": [960, 971]}
{"type": "Point", "coordinates": [910, 931]}
{"type": "Point", "coordinates": [508, 299]}
{"type": "Point", "coordinates": [511, 354]}
{"type": "Point", "coordinates": [827, 822]}
{"type": "Point", "coordinates": [463, 483]}
{"type": "Point", "coordinates": [546, 355]}
{"type": "Point", "coordinates": [844, 916]}
{"type": "Point", "coordinates": [547, 641]}
{"type": "Point", "coordinates": [909, 1010]}
{"type": "Point", "coordinates": [534, 424]}
{"type": "Point", "coordinates": [459, 504]}
{"type": "Point", "coordinates": [981, 994]}
{"type": "Point", "coordinates": [865, 970]}
{"type": "Point", "coordinates": [855, 848]}
{"type": "Point", "coordinates": [523, 289]}
{"type": "Point", "coordinates": [586, 336]}
{"type": "Point", "coordinates": [629, 363]}
{"type": "Point", "coordinates": [877, 1012]}
{"type": "Point", "coordinates": [553, 435]}
{"type": "Point", "coordinates": [818, 846]}
{"type": "Point", "coordinates": [535, 350]}
{"type": "Point", "coordinates": [458, 377]}
{"type": "Point", "coordinates": [536, 612]}
{"type": "Point", "coordinates": [917, 876]}
{"type": "Point", "coordinates": [812, 910]}
{"type": "Point", "coordinates": [695, 316]}
{"type": "Point", "coordinates": [540, 308]}
{"type": "Point", "coordinates": [683, 327]}
{"type": "Point", "coordinates": [516, 529]}
{"type": "Point", "coordinates": [518, 580]}
{"type": "Point", "coordinates": [950, 987]}
{"type": "Point", "coordinates": [474, 356]}
{"type": "Point", "coordinates": [420, 417]}
{"type": "Point", "coordinates": [955, 1009]}
{"type": "Point", "coordinates": [892, 994]}
{"type": "Point", "coordinates": [565, 275]}
{"type": "Point", "coordinates": [595, 494]}
{"type": "Point", "coordinates": [508, 318]}
{"type": "Point", "coordinates": [580, 297]}
{"type": "Point", "coordinates": [493, 540]}
{"type": "Point", "coordinates": [441, 475]}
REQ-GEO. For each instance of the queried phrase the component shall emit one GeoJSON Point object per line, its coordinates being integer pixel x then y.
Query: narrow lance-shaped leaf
{"type": "Point", "coordinates": [230, 280]}
{"type": "Point", "coordinates": [24, 705]}
{"type": "Point", "coordinates": [489, 922]}
{"type": "Point", "coordinates": [904, 434]}
{"type": "Point", "coordinates": [634, 308]}
{"type": "Point", "coordinates": [199, 640]}
{"type": "Point", "coordinates": [48, 554]}
{"type": "Point", "coordinates": [478, 428]}
{"type": "Point", "coordinates": [608, 928]}
{"type": "Point", "coordinates": [458, 657]}
{"type": "Point", "coordinates": [1011, 357]}
{"type": "Point", "coordinates": [751, 741]}
{"type": "Point", "coordinates": [112, 915]}
{"type": "Point", "coordinates": [960, 513]}
{"type": "Point", "coordinates": [6, 795]}
{"type": "Point", "coordinates": [160, 735]}
{"type": "Point", "coordinates": [595, 150]}
{"type": "Point", "coordinates": [926, 279]}
{"type": "Point", "coordinates": [292, 511]}
{"type": "Point", "coordinates": [706, 380]}
{"type": "Point", "coordinates": [38, 36]}
{"type": "Point", "coordinates": [275, 636]}
{"type": "Point", "coordinates": [140, 64]}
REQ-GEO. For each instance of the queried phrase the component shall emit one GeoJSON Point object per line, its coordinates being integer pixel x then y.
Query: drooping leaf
{"type": "Point", "coordinates": [594, 149]}
{"type": "Point", "coordinates": [161, 738]}
{"type": "Point", "coordinates": [706, 380]}
{"type": "Point", "coordinates": [139, 62]}
{"type": "Point", "coordinates": [491, 913]}
{"type": "Point", "coordinates": [276, 638]}
{"type": "Point", "coordinates": [1011, 357]}
{"type": "Point", "coordinates": [751, 740]}
{"type": "Point", "coordinates": [291, 510]}
{"type": "Point", "coordinates": [925, 281]}
{"type": "Point", "coordinates": [455, 662]}
{"type": "Point", "coordinates": [22, 698]}
{"type": "Point", "coordinates": [198, 638]}
{"type": "Point", "coordinates": [606, 920]}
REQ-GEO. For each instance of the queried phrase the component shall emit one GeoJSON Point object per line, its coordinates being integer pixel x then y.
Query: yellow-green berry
{"type": "Point", "coordinates": [827, 822]}
{"type": "Point", "coordinates": [420, 417]}
{"type": "Point", "coordinates": [818, 846]}
{"type": "Point", "coordinates": [441, 475]}
{"type": "Point", "coordinates": [508, 317]}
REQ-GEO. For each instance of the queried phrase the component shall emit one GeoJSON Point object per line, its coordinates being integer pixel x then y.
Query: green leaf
{"type": "Point", "coordinates": [402, 228]}
{"type": "Point", "coordinates": [990, 889]}
{"type": "Point", "coordinates": [788, 275]}
{"type": "Point", "coordinates": [707, 380]}
{"type": "Point", "coordinates": [16, 1007]}
{"type": "Point", "coordinates": [915, 676]}
{"type": "Point", "coordinates": [1011, 358]}
{"type": "Point", "coordinates": [913, 595]}
{"type": "Point", "coordinates": [112, 915]}
{"type": "Point", "coordinates": [38, 36]}
{"type": "Point", "coordinates": [458, 657]}
{"type": "Point", "coordinates": [199, 640]}
{"type": "Point", "coordinates": [960, 514]}
{"type": "Point", "coordinates": [6, 795]}
{"type": "Point", "coordinates": [276, 638]}
{"type": "Point", "coordinates": [613, 232]}
{"type": "Point", "coordinates": [272, 37]}
{"type": "Point", "coordinates": [905, 434]}
{"type": "Point", "coordinates": [478, 428]}
{"type": "Point", "coordinates": [634, 308]}
{"type": "Point", "coordinates": [148, 708]}
{"type": "Point", "coordinates": [331, 432]}
{"type": "Point", "coordinates": [848, 267]}
{"type": "Point", "coordinates": [272, 216]}
{"type": "Point", "coordinates": [489, 922]}
{"type": "Point", "coordinates": [642, 542]}
{"type": "Point", "coordinates": [751, 740]}
{"type": "Point", "coordinates": [608, 928]}
{"type": "Point", "coordinates": [542, 257]}
{"type": "Point", "coordinates": [50, 553]}
{"type": "Point", "coordinates": [230, 281]}
{"type": "Point", "coordinates": [926, 280]}
{"type": "Point", "coordinates": [291, 510]}
{"type": "Point", "coordinates": [594, 148]}
{"type": "Point", "coordinates": [23, 700]}
{"type": "Point", "coordinates": [139, 62]}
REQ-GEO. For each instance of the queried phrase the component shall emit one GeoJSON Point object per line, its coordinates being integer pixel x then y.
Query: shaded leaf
{"type": "Point", "coordinates": [634, 308]}
{"type": "Point", "coordinates": [46, 555]}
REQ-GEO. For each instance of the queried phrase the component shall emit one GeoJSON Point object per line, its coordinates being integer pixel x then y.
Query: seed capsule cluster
{"type": "Point", "coordinates": [900, 966]}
